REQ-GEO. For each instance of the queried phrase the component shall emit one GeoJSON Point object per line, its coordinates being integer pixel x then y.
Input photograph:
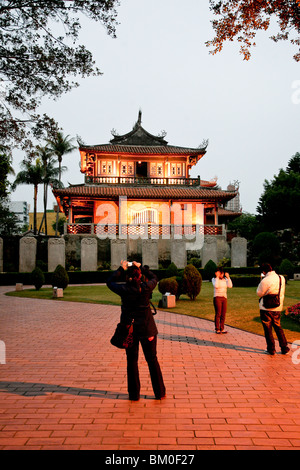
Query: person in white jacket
{"type": "Point", "coordinates": [221, 282]}
{"type": "Point", "coordinates": [270, 317]}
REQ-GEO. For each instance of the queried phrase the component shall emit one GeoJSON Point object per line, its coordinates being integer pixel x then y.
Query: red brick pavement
{"type": "Point", "coordinates": [64, 386]}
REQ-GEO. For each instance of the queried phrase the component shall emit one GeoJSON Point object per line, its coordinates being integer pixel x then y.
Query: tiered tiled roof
{"type": "Point", "coordinates": [140, 142]}
{"type": "Point", "coordinates": [144, 192]}
{"type": "Point", "coordinates": [143, 150]}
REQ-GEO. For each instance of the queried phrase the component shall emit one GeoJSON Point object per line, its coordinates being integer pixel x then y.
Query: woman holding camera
{"type": "Point", "coordinates": [221, 282]}
{"type": "Point", "coordinates": [135, 294]}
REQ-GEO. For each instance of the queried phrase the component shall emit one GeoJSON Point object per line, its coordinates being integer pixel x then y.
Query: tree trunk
{"type": "Point", "coordinates": [57, 209]}
{"type": "Point", "coordinates": [45, 206]}
{"type": "Point", "coordinates": [44, 218]}
{"type": "Point", "coordinates": [34, 208]}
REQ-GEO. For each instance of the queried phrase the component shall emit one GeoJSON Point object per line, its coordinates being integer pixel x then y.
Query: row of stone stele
{"type": "Point", "coordinates": [57, 291]}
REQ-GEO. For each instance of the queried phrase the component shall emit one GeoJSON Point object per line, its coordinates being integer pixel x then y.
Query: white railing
{"type": "Point", "coordinates": [143, 180]}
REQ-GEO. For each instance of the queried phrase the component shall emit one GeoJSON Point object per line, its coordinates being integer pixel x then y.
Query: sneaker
{"type": "Point", "coordinates": [218, 332]}
{"type": "Point", "coordinates": [223, 332]}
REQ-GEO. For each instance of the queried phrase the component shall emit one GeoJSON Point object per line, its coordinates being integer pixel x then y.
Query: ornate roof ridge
{"type": "Point", "coordinates": [139, 135]}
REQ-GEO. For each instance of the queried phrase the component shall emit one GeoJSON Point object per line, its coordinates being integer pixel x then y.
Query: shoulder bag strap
{"type": "Point", "coordinates": [279, 284]}
{"type": "Point", "coordinates": [154, 312]}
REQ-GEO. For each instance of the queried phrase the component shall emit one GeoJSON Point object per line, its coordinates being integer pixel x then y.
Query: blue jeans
{"type": "Point", "coordinates": [133, 379]}
{"type": "Point", "coordinates": [269, 321]}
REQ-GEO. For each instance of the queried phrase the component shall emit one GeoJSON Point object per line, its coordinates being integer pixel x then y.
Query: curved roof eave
{"type": "Point", "coordinates": [144, 192]}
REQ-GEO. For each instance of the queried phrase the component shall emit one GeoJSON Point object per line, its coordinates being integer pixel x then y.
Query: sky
{"type": "Point", "coordinates": [159, 63]}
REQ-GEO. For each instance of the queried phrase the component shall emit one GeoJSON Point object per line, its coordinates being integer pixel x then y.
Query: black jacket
{"type": "Point", "coordinates": [135, 303]}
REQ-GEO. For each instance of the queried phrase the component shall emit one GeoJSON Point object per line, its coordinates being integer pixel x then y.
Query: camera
{"type": "Point", "coordinates": [129, 263]}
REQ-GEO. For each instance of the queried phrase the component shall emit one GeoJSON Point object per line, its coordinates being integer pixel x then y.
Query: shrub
{"type": "Point", "coordinates": [168, 285]}
{"type": "Point", "coordinates": [192, 281]}
{"type": "Point", "coordinates": [60, 277]}
{"type": "Point", "coordinates": [224, 262]}
{"type": "Point", "coordinates": [195, 262]}
{"type": "Point", "coordinates": [286, 267]}
{"type": "Point", "coordinates": [181, 286]}
{"type": "Point", "coordinates": [209, 270]}
{"type": "Point", "coordinates": [171, 270]}
{"type": "Point", "coordinates": [42, 265]}
{"type": "Point", "coordinates": [37, 278]}
{"type": "Point", "coordinates": [294, 312]}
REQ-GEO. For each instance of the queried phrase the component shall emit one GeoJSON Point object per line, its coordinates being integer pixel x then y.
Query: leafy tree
{"type": "Point", "coordinates": [60, 226]}
{"type": "Point", "coordinates": [5, 170]}
{"type": "Point", "coordinates": [277, 206]}
{"type": "Point", "coordinates": [241, 19]}
{"type": "Point", "coordinates": [266, 247]}
{"type": "Point", "coordinates": [60, 146]}
{"type": "Point", "coordinates": [294, 164]}
{"type": "Point", "coordinates": [51, 175]}
{"type": "Point", "coordinates": [39, 52]}
{"type": "Point", "coordinates": [246, 225]}
{"type": "Point", "coordinates": [31, 174]}
{"type": "Point", "coordinates": [8, 220]}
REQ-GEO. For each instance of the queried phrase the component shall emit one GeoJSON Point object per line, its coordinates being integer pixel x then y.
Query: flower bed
{"type": "Point", "coordinates": [294, 312]}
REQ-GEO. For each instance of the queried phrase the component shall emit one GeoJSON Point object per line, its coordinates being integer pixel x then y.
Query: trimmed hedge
{"type": "Point", "coordinates": [287, 268]}
{"type": "Point", "coordinates": [60, 277]}
{"type": "Point", "coordinates": [37, 278]}
{"type": "Point", "coordinates": [75, 277]}
{"type": "Point", "coordinates": [239, 280]}
{"type": "Point", "coordinates": [241, 277]}
{"type": "Point", "coordinates": [192, 281]}
{"type": "Point", "coordinates": [168, 285]}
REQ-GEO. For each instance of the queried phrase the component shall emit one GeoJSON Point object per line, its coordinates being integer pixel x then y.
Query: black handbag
{"type": "Point", "coordinates": [272, 300]}
{"type": "Point", "coordinates": [123, 336]}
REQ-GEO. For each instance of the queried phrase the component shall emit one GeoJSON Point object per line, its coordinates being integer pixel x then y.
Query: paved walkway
{"type": "Point", "coordinates": [64, 386]}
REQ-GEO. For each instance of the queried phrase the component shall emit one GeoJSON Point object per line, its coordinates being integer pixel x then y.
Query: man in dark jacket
{"type": "Point", "coordinates": [135, 294]}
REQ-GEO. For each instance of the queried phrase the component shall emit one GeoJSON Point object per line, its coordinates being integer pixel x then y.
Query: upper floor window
{"type": "Point", "coordinates": [127, 168]}
{"type": "Point", "coordinates": [176, 169]}
{"type": "Point", "coordinates": [156, 169]}
{"type": "Point", "coordinates": [106, 167]}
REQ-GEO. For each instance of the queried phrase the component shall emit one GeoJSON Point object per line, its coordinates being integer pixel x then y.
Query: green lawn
{"type": "Point", "coordinates": [242, 309]}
